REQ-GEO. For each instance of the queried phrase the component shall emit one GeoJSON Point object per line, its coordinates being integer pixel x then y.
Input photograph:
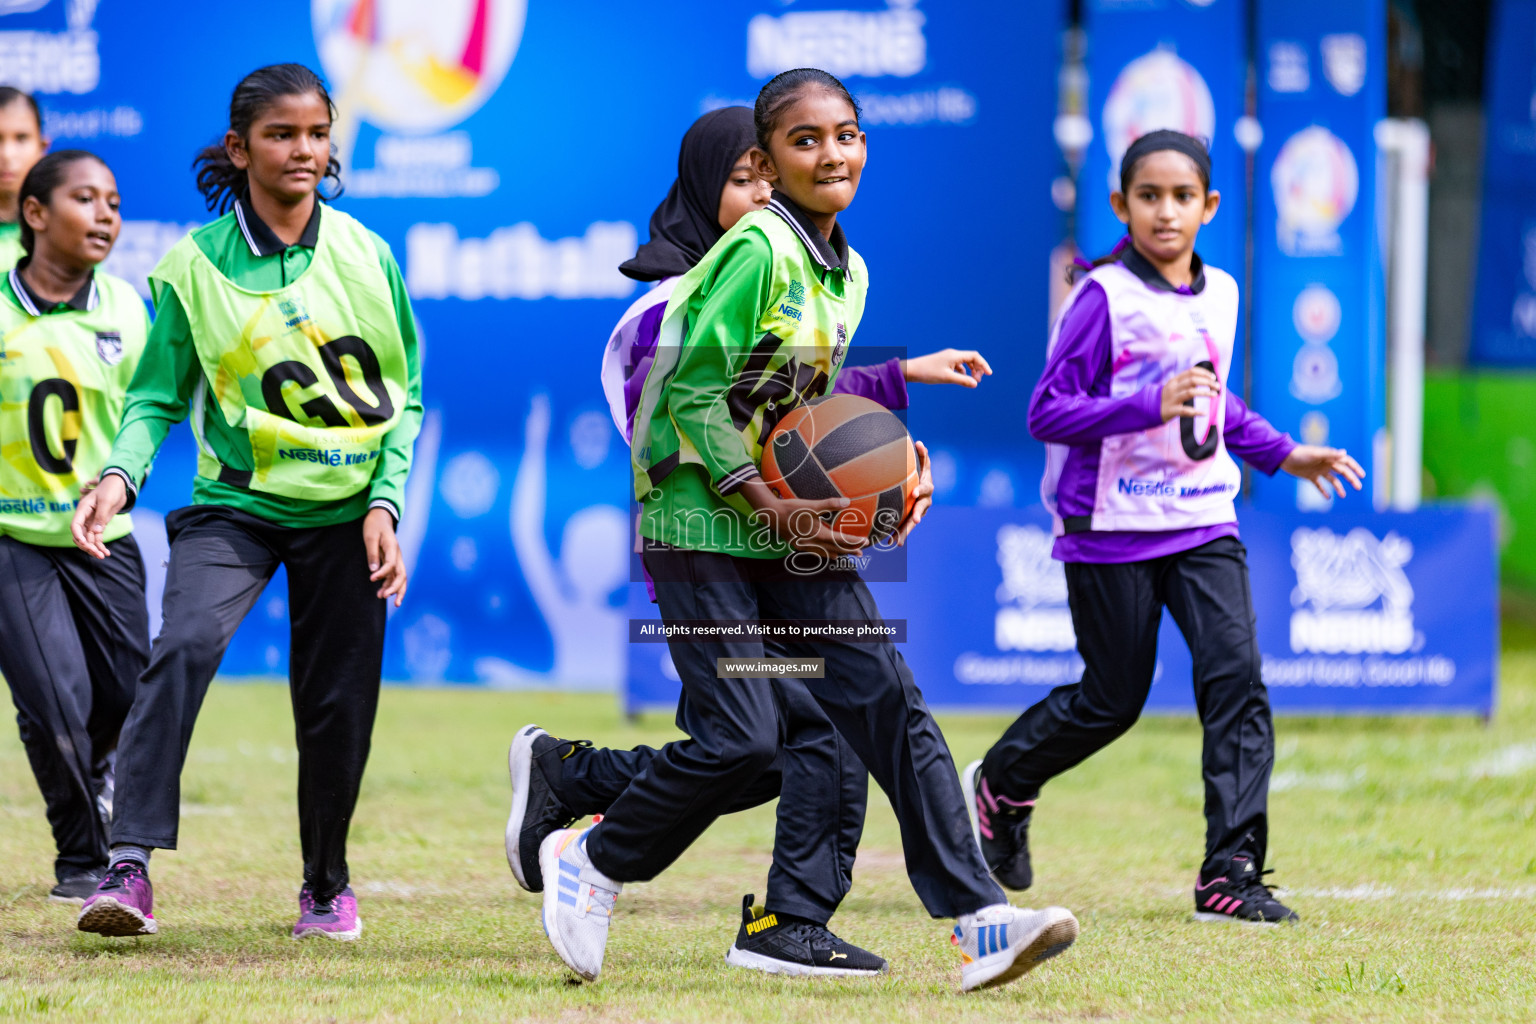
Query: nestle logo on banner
{"type": "Point", "coordinates": [1351, 596]}
{"type": "Point", "coordinates": [51, 62]}
{"type": "Point", "coordinates": [1032, 612]}
{"type": "Point", "coordinates": [867, 44]}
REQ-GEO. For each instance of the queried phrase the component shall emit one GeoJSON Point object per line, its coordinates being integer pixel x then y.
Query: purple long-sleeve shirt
{"type": "Point", "coordinates": [1072, 406]}
{"type": "Point", "coordinates": [882, 382]}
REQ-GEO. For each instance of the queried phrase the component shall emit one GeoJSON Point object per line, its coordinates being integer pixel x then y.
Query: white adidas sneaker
{"type": "Point", "coordinates": [578, 901]}
{"type": "Point", "coordinates": [1002, 942]}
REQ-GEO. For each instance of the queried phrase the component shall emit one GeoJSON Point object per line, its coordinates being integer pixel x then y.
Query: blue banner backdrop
{"type": "Point", "coordinates": [1504, 312]}
{"type": "Point", "coordinates": [1319, 297]}
{"type": "Point", "coordinates": [1166, 64]}
{"type": "Point", "coordinates": [1357, 612]}
{"type": "Point", "coordinates": [511, 151]}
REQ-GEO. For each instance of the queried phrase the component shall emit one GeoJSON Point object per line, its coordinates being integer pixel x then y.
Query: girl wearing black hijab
{"type": "Point", "coordinates": [820, 783]}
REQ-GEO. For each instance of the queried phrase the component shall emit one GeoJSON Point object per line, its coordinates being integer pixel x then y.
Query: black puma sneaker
{"type": "Point", "coordinates": [781, 944]}
{"type": "Point", "coordinates": [1235, 892]}
{"type": "Point", "coordinates": [534, 765]}
{"type": "Point", "coordinates": [1001, 827]}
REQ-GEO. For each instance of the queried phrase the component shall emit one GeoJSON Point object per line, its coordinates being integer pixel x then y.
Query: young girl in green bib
{"type": "Point", "coordinates": [761, 324]}
{"type": "Point", "coordinates": [74, 631]}
{"type": "Point", "coordinates": [284, 331]}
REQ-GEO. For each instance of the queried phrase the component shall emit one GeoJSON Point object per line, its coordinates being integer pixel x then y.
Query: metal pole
{"type": "Point", "coordinates": [1408, 140]}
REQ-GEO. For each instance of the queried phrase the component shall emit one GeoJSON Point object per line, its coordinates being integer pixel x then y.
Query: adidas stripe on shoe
{"type": "Point", "coordinates": [1237, 894]}
{"type": "Point", "coordinates": [1000, 943]}
{"type": "Point", "coordinates": [579, 905]}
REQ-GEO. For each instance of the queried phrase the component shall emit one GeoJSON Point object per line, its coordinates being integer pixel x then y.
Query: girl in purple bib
{"type": "Point", "coordinates": [1140, 429]}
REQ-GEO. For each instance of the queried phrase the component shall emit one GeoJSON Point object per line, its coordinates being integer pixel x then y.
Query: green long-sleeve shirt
{"type": "Point", "coordinates": [250, 254]}
{"type": "Point", "coordinates": [761, 324]}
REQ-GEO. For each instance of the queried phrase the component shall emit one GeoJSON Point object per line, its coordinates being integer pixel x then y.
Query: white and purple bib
{"type": "Point", "coordinates": [1176, 475]}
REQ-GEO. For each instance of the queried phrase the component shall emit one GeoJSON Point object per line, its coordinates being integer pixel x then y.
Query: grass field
{"type": "Point", "coordinates": [1408, 847]}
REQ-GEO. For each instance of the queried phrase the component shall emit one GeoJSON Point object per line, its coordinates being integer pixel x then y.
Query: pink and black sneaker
{"type": "Point", "coordinates": [1001, 827]}
{"type": "Point", "coordinates": [1236, 893]}
{"type": "Point", "coordinates": [123, 903]}
{"type": "Point", "coordinates": [335, 918]}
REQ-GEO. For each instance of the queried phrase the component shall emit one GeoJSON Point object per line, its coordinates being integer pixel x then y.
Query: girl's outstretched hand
{"type": "Point", "coordinates": [384, 560]}
{"type": "Point", "coordinates": [923, 493]}
{"type": "Point", "coordinates": [1195, 382]}
{"type": "Point", "coordinates": [947, 366]}
{"type": "Point", "coordinates": [1324, 467]}
{"type": "Point", "coordinates": [96, 508]}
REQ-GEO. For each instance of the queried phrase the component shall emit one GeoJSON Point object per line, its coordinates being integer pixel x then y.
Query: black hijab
{"type": "Point", "coordinates": [686, 224]}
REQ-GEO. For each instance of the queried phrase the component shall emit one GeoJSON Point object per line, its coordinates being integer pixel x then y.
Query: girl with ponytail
{"type": "Point", "coordinates": [284, 330]}
{"type": "Point", "coordinates": [1139, 420]}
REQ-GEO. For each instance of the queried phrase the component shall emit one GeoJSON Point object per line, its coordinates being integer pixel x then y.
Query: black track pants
{"type": "Point", "coordinates": [74, 636]}
{"type": "Point", "coordinates": [1115, 611]}
{"type": "Point", "coordinates": [821, 786]}
{"type": "Point", "coordinates": [734, 729]}
{"type": "Point", "coordinates": [221, 558]}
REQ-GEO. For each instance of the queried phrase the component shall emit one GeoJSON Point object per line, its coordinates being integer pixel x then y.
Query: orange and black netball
{"type": "Point", "coordinates": [844, 446]}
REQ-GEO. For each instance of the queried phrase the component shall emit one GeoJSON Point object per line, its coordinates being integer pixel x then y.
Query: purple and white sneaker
{"type": "Point", "coordinates": [336, 919]}
{"type": "Point", "coordinates": [123, 904]}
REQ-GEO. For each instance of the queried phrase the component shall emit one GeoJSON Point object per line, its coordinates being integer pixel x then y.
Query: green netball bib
{"type": "Point", "coordinates": [314, 372]}
{"type": "Point", "coordinates": [63, 379]}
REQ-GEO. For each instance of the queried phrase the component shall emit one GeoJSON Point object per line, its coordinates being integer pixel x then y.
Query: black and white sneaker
{"type": "Point", "coordinates": [534, 765]}
{"type": "Point", "coordinates": [77, 889]}
{"type": "Point", "coordinates": [1001, 827]}
{"type": "Point", "coordinates": [781, 944]}
{"type": "Point", "coordinates": [1236, 893]}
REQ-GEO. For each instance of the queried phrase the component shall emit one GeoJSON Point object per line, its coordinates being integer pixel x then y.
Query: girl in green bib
{"type": "Point", "coordinates": [283, 330]}
{"type": "Point", "coordinates": [761, 324]}
{"type": "Point", "coordinates": [74, 631]}
{"type": "Point", "coordinates": [21, 146]}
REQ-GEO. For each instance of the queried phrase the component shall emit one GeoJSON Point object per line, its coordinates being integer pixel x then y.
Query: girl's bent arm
{"type": "Point", "coordinates": [1071, 404]}
{"type": "Point", "coordinates": [1251, 438]}
{"type": "Point", "coordinates": [158, 396]}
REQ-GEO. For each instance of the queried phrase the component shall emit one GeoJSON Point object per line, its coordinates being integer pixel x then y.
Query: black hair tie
{"type": "Point", "coordinates": [1163, 138]}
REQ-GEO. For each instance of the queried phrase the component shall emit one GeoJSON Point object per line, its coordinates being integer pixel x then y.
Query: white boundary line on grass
{"type": "Point", "coordinates": [1372, 891]}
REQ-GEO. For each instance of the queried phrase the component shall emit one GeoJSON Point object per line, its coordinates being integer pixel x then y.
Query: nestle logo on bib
{"type": "Point", "coordinates": [327, 456]}
{"type": "Point", "coordinates": [1153, 488]}
{"type": "Point", "coordinates": [1351, 596]}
